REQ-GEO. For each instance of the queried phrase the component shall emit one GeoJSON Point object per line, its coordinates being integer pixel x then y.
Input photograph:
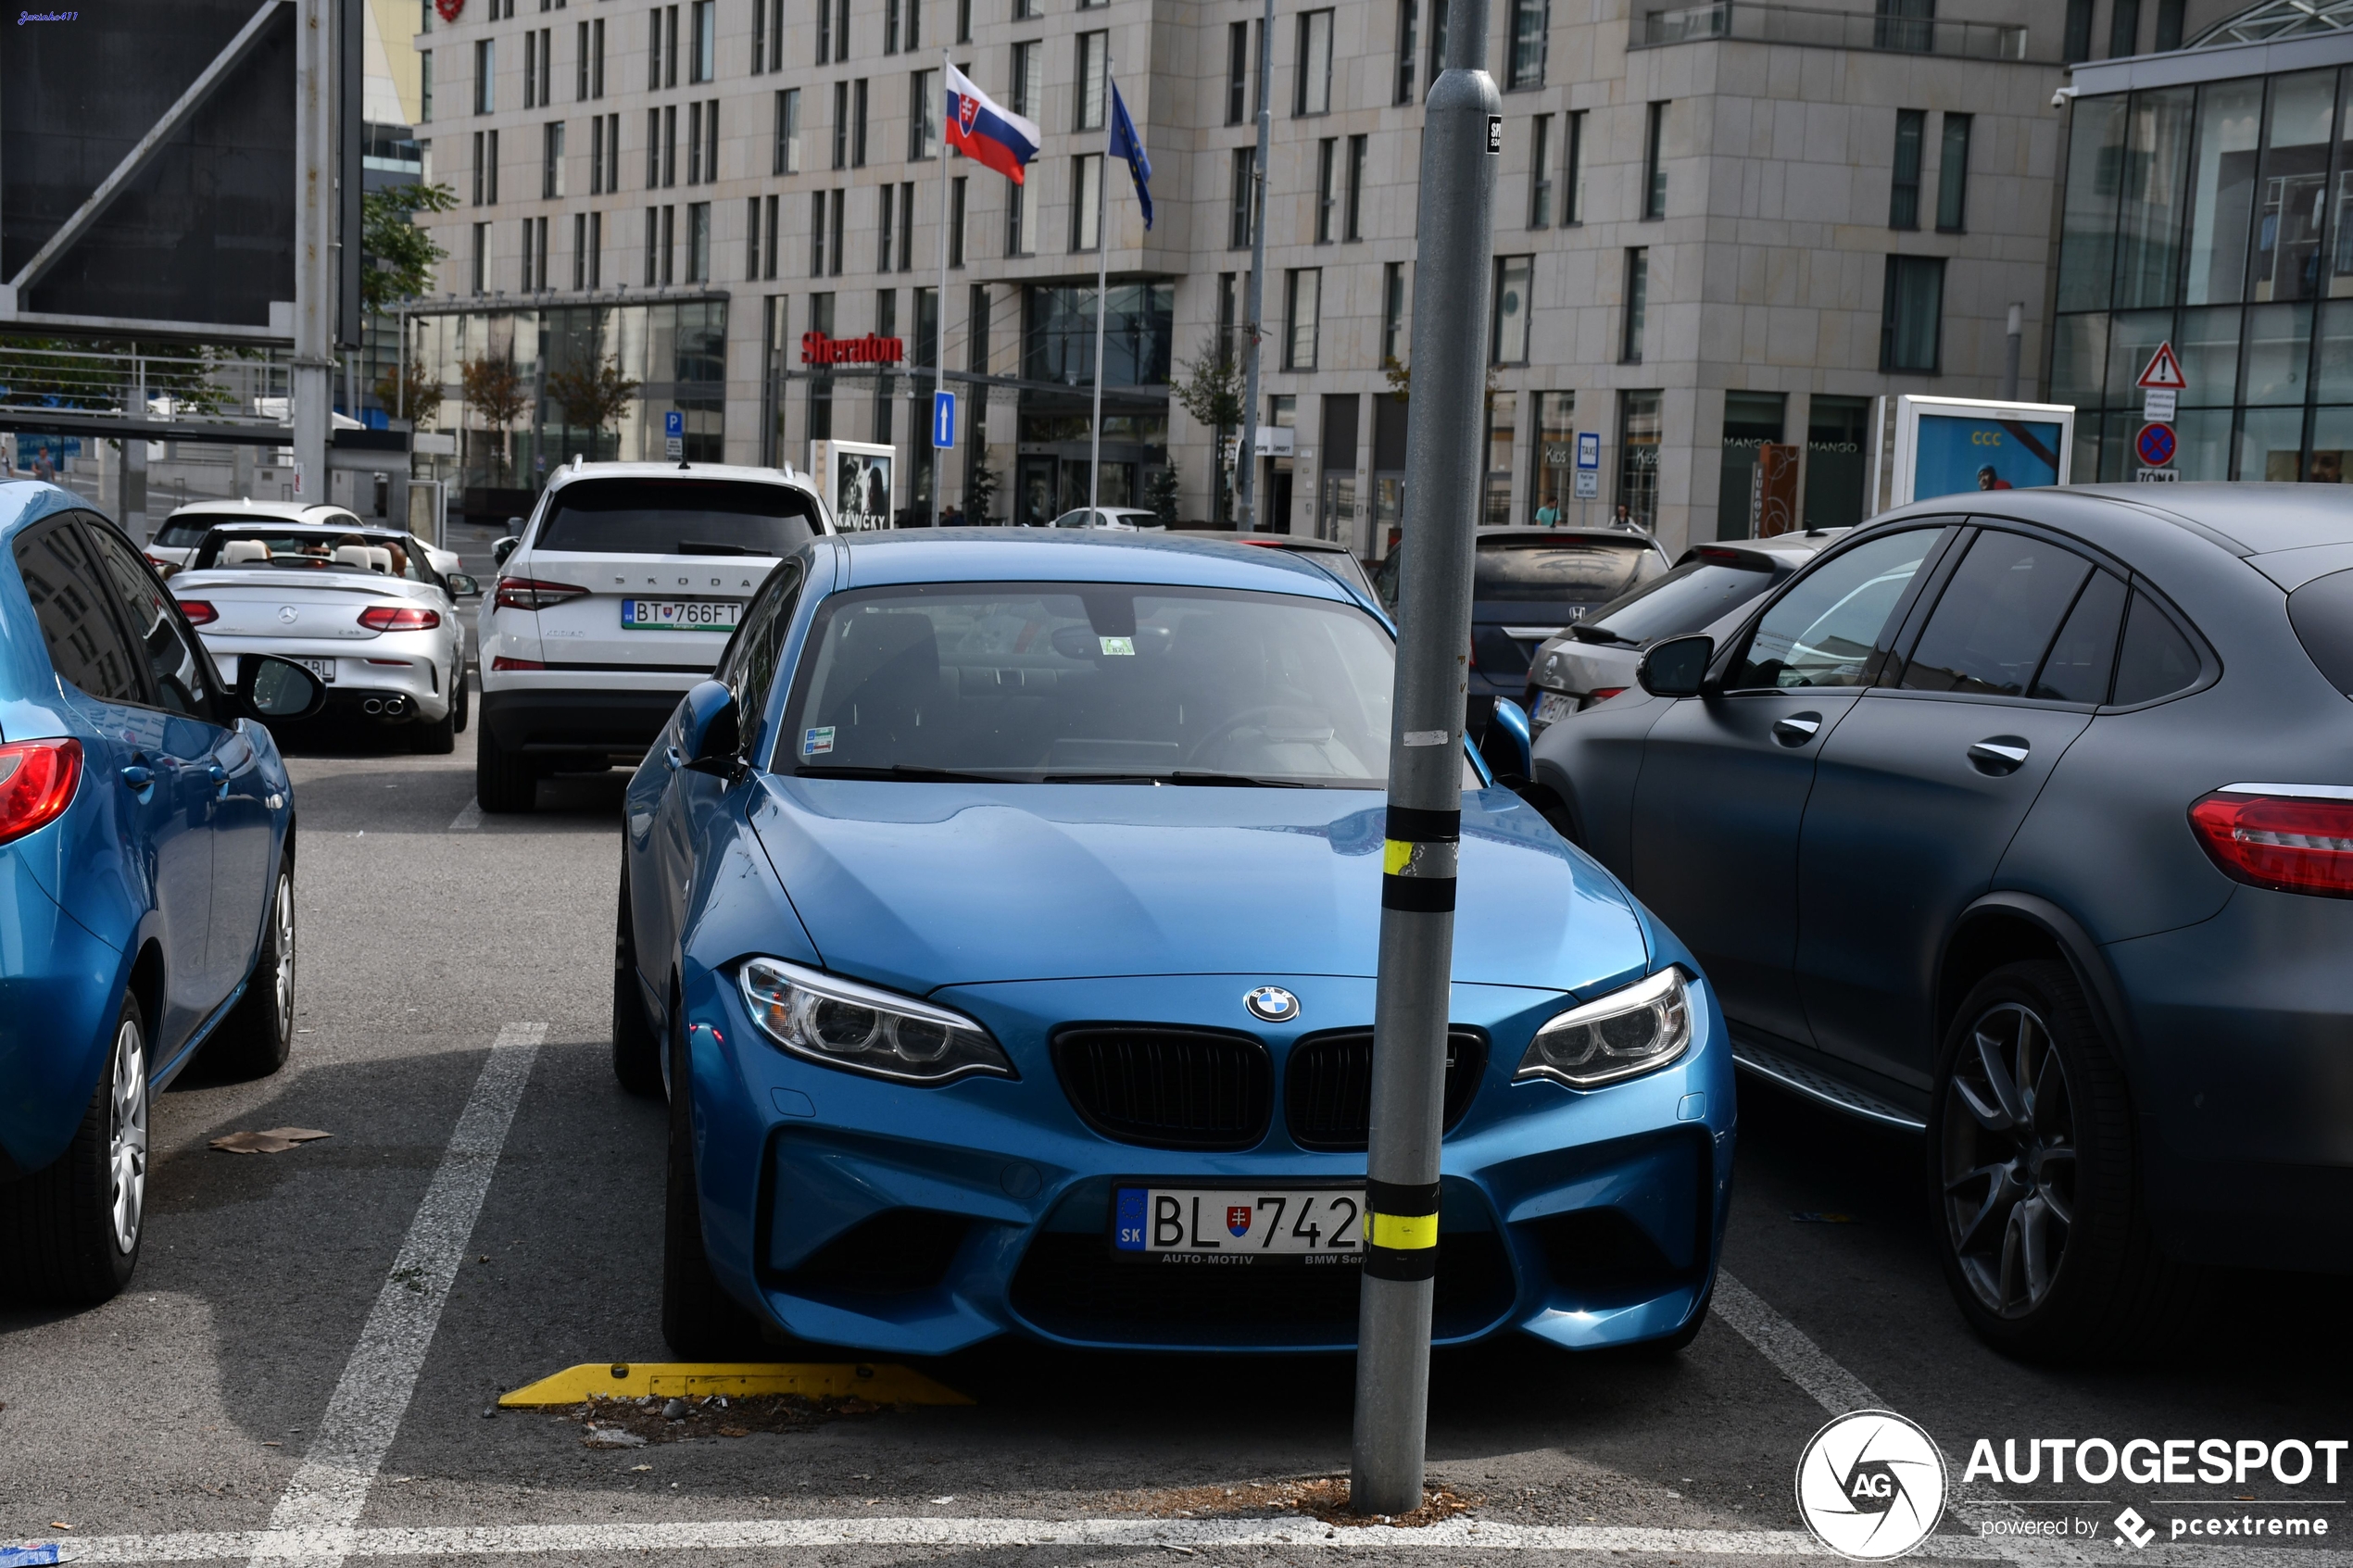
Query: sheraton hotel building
{"type": "Point", "coordinates": [1719, 226]}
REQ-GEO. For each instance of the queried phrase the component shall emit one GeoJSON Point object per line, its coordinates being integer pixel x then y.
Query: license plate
{"type": "Point", "coordinates": [1554, 705]}
{"type": "Point", "coordinates": [1239, 1226]}
{"type": "Point", "coordinates": [678, 615]}
{"type": "Point", "coordinates": [322, 668]}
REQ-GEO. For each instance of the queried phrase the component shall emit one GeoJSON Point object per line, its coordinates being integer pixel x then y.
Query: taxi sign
{"type": "Point", "coordinates": [2164, 371]}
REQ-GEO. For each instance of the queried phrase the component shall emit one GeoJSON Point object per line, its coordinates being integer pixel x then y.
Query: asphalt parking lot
{"type": "Point", "coordinates": [302, 1366]}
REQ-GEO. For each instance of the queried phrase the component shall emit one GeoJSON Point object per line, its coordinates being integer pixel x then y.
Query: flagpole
{"type": "Point", "coordinates": [940, 307]}
{"type": "Point", "coordinates": [1103, 304]}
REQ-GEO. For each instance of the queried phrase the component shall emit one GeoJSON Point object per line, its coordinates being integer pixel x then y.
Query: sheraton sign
{"type": "Point", "coordinates": [816, 348]}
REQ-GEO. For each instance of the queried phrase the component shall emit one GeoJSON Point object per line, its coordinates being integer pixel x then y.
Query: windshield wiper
{"type": "Point", "coordinates": [709, 548]}
{"type": "Point", "coordinates": [905, 770]}
{"type": "Point", "coordinates": [1180, 776]}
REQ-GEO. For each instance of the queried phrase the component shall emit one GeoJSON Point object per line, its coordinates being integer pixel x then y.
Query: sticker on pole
{"type": "Point", "coordinates": [2155, 443]}
{"type": "Point", "coordinates": [1871, 1486]}
{"type": "Point", "coordinates": [1494, 135]}
{"type": "Point", "coordinates": [2164, 372]}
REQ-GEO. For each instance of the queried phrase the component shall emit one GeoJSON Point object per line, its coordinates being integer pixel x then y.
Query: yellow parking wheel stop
{"type": "Point", "coordinates": [879, 1382]}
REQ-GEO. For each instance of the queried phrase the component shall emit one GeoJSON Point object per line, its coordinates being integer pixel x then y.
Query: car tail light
{"type": "Point", "coordinates": [2290, 838]}
{"type": "Point", "coordinates": [399, 618]}
{"type": "Point", "coordinates": [1602, 694]}
{"type": "Point", "coordinates": [199, 612]}
{"type": "Point", "coordinates": [500, 662]}
{"type": "Point", "coordinates": [37, 780]}
{"type": "Point", "coordinates": [529, 593]}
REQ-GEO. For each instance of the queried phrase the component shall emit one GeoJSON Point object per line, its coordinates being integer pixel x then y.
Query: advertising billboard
{"type": "Point", "coordinates": [860, 482]}
{"type": "Point", "coordinates": [1934, 446]}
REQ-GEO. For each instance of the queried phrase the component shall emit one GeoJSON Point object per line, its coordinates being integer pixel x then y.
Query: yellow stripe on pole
{"type": "Point", "coordinates": [1395, 857]}
{"type": "Point", "coordinates": [879, 1382]}
{"type": "Point", "coordinates": [1403, 1233]}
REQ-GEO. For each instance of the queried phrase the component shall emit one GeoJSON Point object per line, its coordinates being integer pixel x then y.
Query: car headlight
{"type": "Point", "coordinates": [822, 1018]}
{"type": "Point", "coordinates": [1633, 1030]}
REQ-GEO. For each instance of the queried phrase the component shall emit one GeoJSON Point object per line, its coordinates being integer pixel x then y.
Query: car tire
{"type": "Point", "coordinates": [2040, 1222]}
{"type": "Point", "coordinates": [699, 1320]}
{"type": "Point", "coordinates": [503, 779]}
{"type": "Point", "coordinates": [254, 1040]}
{"type": "Point", "coordinates": [460, 699]}
{"type": "Point", "coordinates": [637, 1048]}
{"type": "Point", "coordinates": [438, 738]}
{"type": "Point", "coordinates": [70, 1233]}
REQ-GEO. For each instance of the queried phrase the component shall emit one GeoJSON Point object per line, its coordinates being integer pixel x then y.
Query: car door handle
{"type": "Point", "coordinates": [1998, 754]}
{"type": "Point", "coordinates": [673, 757]}
{"type": "Point", "coordinates": [1797, 727]}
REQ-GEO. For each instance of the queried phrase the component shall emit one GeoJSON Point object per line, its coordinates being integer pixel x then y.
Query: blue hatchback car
{"type": "Point", "coordinates": [1002, 920]}
{"type": "Point", "coordinates": [147, 865]}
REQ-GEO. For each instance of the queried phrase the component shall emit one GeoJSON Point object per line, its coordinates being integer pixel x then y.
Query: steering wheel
{"type": "Point", "coordinates": [1242, 720]}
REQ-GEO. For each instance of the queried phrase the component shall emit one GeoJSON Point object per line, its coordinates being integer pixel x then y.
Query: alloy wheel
{"type": "Point", "coordinates": [2009, 1164]}
{"type": "Point", "coordinates": [127, 1134]}
{"type": "Point", "coordinates": [282, 916]}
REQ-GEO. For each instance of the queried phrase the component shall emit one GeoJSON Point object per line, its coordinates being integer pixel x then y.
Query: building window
{"type": "Point", "coordinates": [1359, 151]}
{"type": "Point", "coordinates": [770, 227]}
{"type": "Point", "coordinates": [1312, 90]}
{"type": "Point", "coordinates": [1912, 318]}
{"type": "Point", "coordinates": [956, 220]}
{"type": "Point", "coordinates": [1555, 431]}
{"type": "Point", "coordinates": [1089, 99]}
{"type": "Point", "coordinates": [840, 234]}
{"type": "Point", "coordinates": [886, 325]}
{"type": "Point", "coordinates": [424, 85]}
{"type": "Point", "coordinates": [669, 144]}
{"type": "Point", "coordinates": [2076, 37]}
{"type": "Point", "coordinates": [1638, 456]}
{"type": "Point", "coordinates": [703, 24]}
{"type": "Point", "coordinates": [1524, 66]}
{"type": "Point", "coordinates": [785, 159]}
{"type": "Point", "coordinates": [925, 97]}
{"type": "Point", "coordinates": [1638, 297]}
{"type": "Point", "coordinates": [698, 242]}
{"type": "Point", "coordinates": [595, 250]}
{"type": "Point", "coordinates": [653, 246]}
{"type": "Point", "coordinates": [485, 76]}
{"type": "Point", "coordinates": [1507, 339]}
{"type": "Point", "coordinates": [539, 68]}
{"type": "Point", "coordinates": [588, 71]}
{"type": "Point", "coordinates": [825, 33]}
{"type": "Point", "coordinates": [751, 237]}
{"type": "Point", "coordinates": [1437, 41]}
{"type": "Point", "coordinates": [2124, 29]}
{"type": "Point", "coordinates": [1303, 306]}
{"type": "Point", "coordinates": [890, 26]}
{"type": "Point", "coordinates": [1904, 191]}
{"type": "Point", "coordinates": [1026, 85]}
{"type": "Point", "coordinates": [697, 171]}
{"type": "Point", "coordinates": [1408, 25]}
{"type": "Point", "coordinates": [1028, 10]}
{"type": "Point", "coordinates": [1952, 176]}
{"type": "Point", "coordinates": [1237, 71]}
{"type": "Point", "coordinates": [552, 160]}
{"type": "Point", "coordinates": [1085, 188]}
{"type": "Point", "coordinates": [906, 226]}
{"type": "Point", "coordinates": [481, 255]}
{"type": "Point", "coordinates": [1654, 162]}
{"type": "Point", "coordinates": [841, 125]}
{"type": "Point", "coordinates": [886, 212]}
{"type": "Point", "coordinates": [816, 233]}
{"type": "Point", "coordinates": [760, 30]}
{"type": "Point", "coordinates": [662, 48]}
{"type": "Point", "coordinates": [1016, 211]}
{"type": "Point", "coordinates": [1327, 187]}
{"type": "Point", "coordinates": [1392, 313]}
{"type": "Point", "coordinates": [1909, 25]}
{"type": "Point", "coordinates": [2169, 25]}
{"type": "Point", "coordinates": [1244, 160]}
{"type": "Point", "coordinates": [963, 21]}
{"type": "Point", "coordinates": [1502, 421]}
{"type": "Point", "coordinates": [486, 169]}
{"type": "Point", "coordinates": [859, 97]}
{"type": "Point", "coordinates": [1573, 171]}
{"type": "Point", "coordinates": [1539, 171]}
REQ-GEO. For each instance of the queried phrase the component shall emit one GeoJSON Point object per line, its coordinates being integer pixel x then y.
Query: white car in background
{"type": "Point", "coordinates": [178, 535]}
{"type": "Point", "coordinates": [619, 595]}
{"type": "Point", "coordinates": [362, 609]}
{"type": "Point", "coordinates": [1124, 519]}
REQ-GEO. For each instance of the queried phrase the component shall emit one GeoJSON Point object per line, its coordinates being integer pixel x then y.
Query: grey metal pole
{"type": "Point", "coordinates": [2010, 352]}
{"type": "Point", "coordinates": [1452, 281]}
{"type": "Point", "coordinates": [940, 307]}
{"type": "Point", "coordinates": [1102, 307]}
{"type": "Point", "coordinates": [1246, 459]}
{"type": "Point", "coordinates": [310, 390]}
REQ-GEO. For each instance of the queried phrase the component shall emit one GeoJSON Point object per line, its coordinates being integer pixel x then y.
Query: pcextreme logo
{"type": "Point", "coordinates": [1871, 1486]}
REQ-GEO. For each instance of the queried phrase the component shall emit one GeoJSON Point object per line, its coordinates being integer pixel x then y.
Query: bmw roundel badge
{"type": "Point", "coordinates": [1272, 1004]}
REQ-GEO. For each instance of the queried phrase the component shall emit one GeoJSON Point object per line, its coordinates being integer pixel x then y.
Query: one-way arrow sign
{"type": "Point", "coordinates": [2164, 372]}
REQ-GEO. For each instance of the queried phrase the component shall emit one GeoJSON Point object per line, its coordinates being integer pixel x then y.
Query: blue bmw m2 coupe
{"type": "Point", "coordinates": [1002, 920]}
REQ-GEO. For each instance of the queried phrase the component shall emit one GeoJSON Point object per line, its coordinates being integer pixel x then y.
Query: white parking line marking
{"type": "Point", "coordinates": [322, 1503]}
{"type": "Point", "coordinates": [1196, 1535]}
{"type": "Point", "coordinates": [467, 820]}
{"type": "Point", "coordinates": [1780, 1342]}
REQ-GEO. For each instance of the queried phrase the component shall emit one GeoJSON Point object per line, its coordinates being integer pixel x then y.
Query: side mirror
{"type": "Point", "coordinates": [504, 548]}
{"type": "Point", "coordinates": [274, 688]}
{"type": "Point", "coordinates": [711, 730]}
{"type": "Point", "coordinates": [462, 586]}
{"type": "Point", "coordinates": [1506, 745]}
{"type": "Point", "coordinates": [1676, 667]}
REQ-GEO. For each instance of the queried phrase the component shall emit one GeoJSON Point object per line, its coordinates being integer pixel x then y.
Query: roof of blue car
{"type": "Point", "coordinates": [28, 500]}
{"type": "Point", "coordinates": [1003, 554]}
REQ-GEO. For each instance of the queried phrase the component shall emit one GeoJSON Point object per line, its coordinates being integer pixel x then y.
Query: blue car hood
{"type": "Point", "coordinates": [922, 885]}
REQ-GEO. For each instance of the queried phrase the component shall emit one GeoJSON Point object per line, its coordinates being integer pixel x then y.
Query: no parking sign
{"type": "Point", "coordinates": [2155, 445]}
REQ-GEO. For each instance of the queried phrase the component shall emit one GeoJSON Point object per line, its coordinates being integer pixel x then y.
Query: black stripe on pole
{"type": "Point", "coordinates": [1401, 1198]}
{"type": "Point", "coordinates": [1419, 895]}
{"type": "Point", "coordinates": [1411, 824]}
{"type": "Point", "coordinates": [1402, 1268]}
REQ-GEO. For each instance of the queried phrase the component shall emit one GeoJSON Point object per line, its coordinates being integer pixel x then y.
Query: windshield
{"type": "Point", "coordinates": [179, 532]}
{"type": "Point", "coordinates": [248, 549]}
{"type": "Point", "coordinates": [677, 516]}
{"type": "Point", "coordinates": [1056, 683]}
{"type": "Point", "coordinates": [1589, 570]}
{"type": "Point", "coordinates": [1689, 598]}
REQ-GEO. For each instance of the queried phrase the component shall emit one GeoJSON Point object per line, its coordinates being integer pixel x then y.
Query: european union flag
{"type": "Point", "coordinates": [1125, 144]}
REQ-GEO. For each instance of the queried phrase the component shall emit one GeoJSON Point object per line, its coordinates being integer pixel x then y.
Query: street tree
{"type": "Point", "coordinates": [1210, 391]}
{"type": "Point", "coordinates": [496, 390]}
{"type": "Point", "coordinates": [594, 396]}
{"type": "Point", "coordinates": [397, 258]}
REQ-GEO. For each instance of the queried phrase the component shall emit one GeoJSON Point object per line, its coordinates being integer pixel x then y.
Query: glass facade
{"type": "Point", "coordinates": [2217, 217]}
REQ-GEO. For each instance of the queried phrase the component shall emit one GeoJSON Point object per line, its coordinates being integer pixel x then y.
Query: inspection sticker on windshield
{"type": "Point", "coordinates": [1239, 1226]}
{"type": "Point", "coordinates": [1119, 646]}
{"type": "Point", "coordinates": [816, 742]}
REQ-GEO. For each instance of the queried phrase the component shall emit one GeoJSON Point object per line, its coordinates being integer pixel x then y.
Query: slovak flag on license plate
{"type": "Point", "coordinates": [1237, 1219]}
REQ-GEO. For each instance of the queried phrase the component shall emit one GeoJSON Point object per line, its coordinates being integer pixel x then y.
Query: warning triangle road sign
{"type": "Point", "coordinates": [2164, 372]}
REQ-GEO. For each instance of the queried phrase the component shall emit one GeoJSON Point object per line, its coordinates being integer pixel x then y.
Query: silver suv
{"type": "Point", "coordinates": [620, 594]}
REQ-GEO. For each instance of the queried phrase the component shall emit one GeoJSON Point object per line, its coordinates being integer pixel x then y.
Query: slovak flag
{"type": "Point", "coordinates": [993, 137]}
